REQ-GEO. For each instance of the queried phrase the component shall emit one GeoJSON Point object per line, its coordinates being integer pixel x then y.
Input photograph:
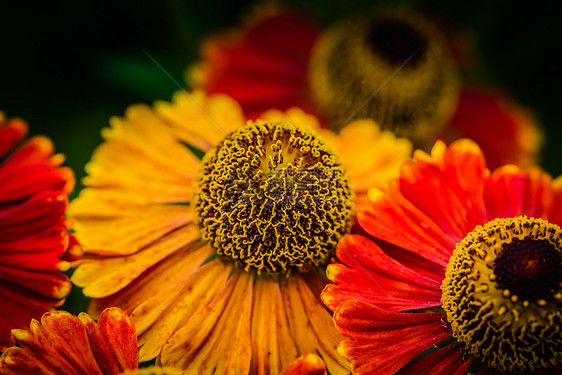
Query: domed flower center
{"type": "Point", "coordinates": [502, 293]}
{"type": "Point", "coordinates": [272, 197]}
{"type": "Point", "coordinates": [395, 68]}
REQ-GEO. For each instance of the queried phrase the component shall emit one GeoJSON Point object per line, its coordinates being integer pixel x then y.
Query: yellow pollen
{"type": "Point", "coordinates": [271, 197]}
{"type": "Point", "coordinates": [509, 312]}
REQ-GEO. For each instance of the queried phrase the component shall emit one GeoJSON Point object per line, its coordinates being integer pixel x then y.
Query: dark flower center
{"type": "Point", "coordinates": [396, 41]}
{"type": "Point", "coordinates": [271, 197]}
{"type": "Point", "coordinates": [392, 67]}
{"type": "Point", "coordinates": [530, 269]}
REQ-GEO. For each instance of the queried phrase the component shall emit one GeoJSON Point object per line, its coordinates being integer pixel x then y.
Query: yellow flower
{"type": "Point", "coordinates": [218, 261]}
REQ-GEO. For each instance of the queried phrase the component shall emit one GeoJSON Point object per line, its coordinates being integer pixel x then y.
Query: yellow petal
{"type": "Point", "coordinates": [108, 229]}
{"type": "Point", "coordinates": [201, 120]}
{"type": "Point", "coordinates": [101, 278]}
{"type": "Point", "coordinates": [371, 157]}
{"type": "Point", "coordinates": [272, 345]}
{"type": "Point", "coordinates": [140, 151]}
{"type": "Point", "coordinates": [311, 325]}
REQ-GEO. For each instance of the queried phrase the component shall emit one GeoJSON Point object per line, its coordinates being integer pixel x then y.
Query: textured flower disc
{"type": "Point", "coordinates": [272, 198]}
{"type": "Point", "coordinates": [503, 293]}
{"type": "Point", "coordinates": [392, 67]}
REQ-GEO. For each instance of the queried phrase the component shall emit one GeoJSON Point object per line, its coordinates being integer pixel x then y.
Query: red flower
{"type": "Point", "coordinates": [268, 63]}
{"type": "Point", "coordinates": [33, 232]}
{"type": "Point", "coordinates": [65, 344]}
{"type": "Point", "coordinates": [456, 256]}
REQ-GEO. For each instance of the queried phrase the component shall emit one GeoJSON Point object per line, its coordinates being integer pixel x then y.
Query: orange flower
{"type": "Point", "coordinates": [394, 66]}
{"type": "Point", "coordinates": [217, 260]}
{"type": "Point", "coordinates": [33, 232]}
{"type": "Point", "coordinates": [462, 259]}
{"type": "Point", "coordinates": [65, 344]}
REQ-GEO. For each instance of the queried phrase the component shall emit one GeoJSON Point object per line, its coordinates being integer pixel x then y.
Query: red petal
{"type": "Point", "coordinates": [113, 340]}
{"type": "Point", "coordinates": [372, 276]}
{"type": "Point", "coordinates": [434, 204]}
{"type": "Point", "coordinates": [505, 132]}
{"type": "Point", "coordinates": [43, 210]}
{"type": "Point", "coordinates": [510, 192]}
{"type": "Point", "coordinates": [17, 309]}
{"type": "Point", "coordinates": [448, 360]}
{"type": "Point", "coordinates": [382, 341]}
{"type": "Point", "coordinates": [503, 193]}
{"type": "Point", "coordinates": [11, 132]}
{"type": "Point", "coordinates": [264, 67]}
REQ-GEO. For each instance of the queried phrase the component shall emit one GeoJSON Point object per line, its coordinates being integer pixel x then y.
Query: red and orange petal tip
{"type": "Point", "coordinates": [307, 364]}
{"type": "Point", "coordinates": [11, 132]}
{"type": "Point", "coordinates": [65, 344]}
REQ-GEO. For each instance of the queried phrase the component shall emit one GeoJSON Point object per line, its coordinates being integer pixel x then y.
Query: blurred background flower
{"type": "Point", "coordinates": [68, 67]}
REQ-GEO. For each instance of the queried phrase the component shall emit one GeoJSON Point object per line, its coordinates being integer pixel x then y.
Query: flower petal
{"type": "Point", "coordinates": [311, 325]}
{"type": "Point", "coordinates": [272, 345]}
{"type": "Point", "coordinates": [200, 345]}
{"type": "Point", "coordinates": [372, 276]}
{"type": "Point", "coordinates": [104, 277]}
{"type": "Point", "coordinates": [307, 364]}
{"type": "Point", "coordinates": [506, 133]}
{"type": "Point", "coordinates": [382, 341]}
{"type": "Point", "coordinates": [448, 360]}
{"type": "Point", "coordinates": [270, 55]}
{"type": "Point", "coordinates": [371, 156]}
{"type": "Point", "coordinates": [11, 132]}
{"type": "Point", "coordinates": [113, 340]}
{"type": "Point", "coordinates": [200, 120]}
{"type": "Point", "coordinates": [31, 169]}
{"type": "Point", "coordinates": [168, 310]}
{"type": "Point", "coordinates": [107, 229]}
{"type": "Point", "coordinates": [436, 201]}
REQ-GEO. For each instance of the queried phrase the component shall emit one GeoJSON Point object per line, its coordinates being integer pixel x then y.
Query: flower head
{"type": "Point", "coordinates": [33, 232]}
{"type": "Point", "coordinates": [392, 65]}
{"type": "Point", "coordinates": [216, 259]}
{"type": "Point", "coordinates": [465, 259]}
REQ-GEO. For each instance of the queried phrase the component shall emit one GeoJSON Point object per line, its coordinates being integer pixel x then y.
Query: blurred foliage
{"type": "Point", "coordinates": [67, 67]}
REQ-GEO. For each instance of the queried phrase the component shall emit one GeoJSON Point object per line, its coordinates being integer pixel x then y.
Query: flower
{"type": "Point", "coordinates": [461, 259]}
{"type": "Point", "coordinates": [216, 260]}
{"type": "Point", "coordinates": [65, 344]}
{"type": "Point", "coordinates": [394, 66]}
{"type": "Point", "coordinates": [33, 232]}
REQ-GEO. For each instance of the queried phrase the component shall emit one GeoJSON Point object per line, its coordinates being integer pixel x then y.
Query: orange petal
{"type": "Point", "coordinates": [307, 364]}
{"type": "Point", "coordinates": [205, 338]}
{"type": "Point", "coordinates": [272, 345]}
{"type": "Point", "coordinates": [311, 325]}
{"type": "Point", "coordinates": [169, 309]}
{"type": "Point", "coordinates": [160, 278]}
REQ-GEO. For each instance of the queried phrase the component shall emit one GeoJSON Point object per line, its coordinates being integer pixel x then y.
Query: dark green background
{"type": "Point", "coordinates": [66, 67]}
